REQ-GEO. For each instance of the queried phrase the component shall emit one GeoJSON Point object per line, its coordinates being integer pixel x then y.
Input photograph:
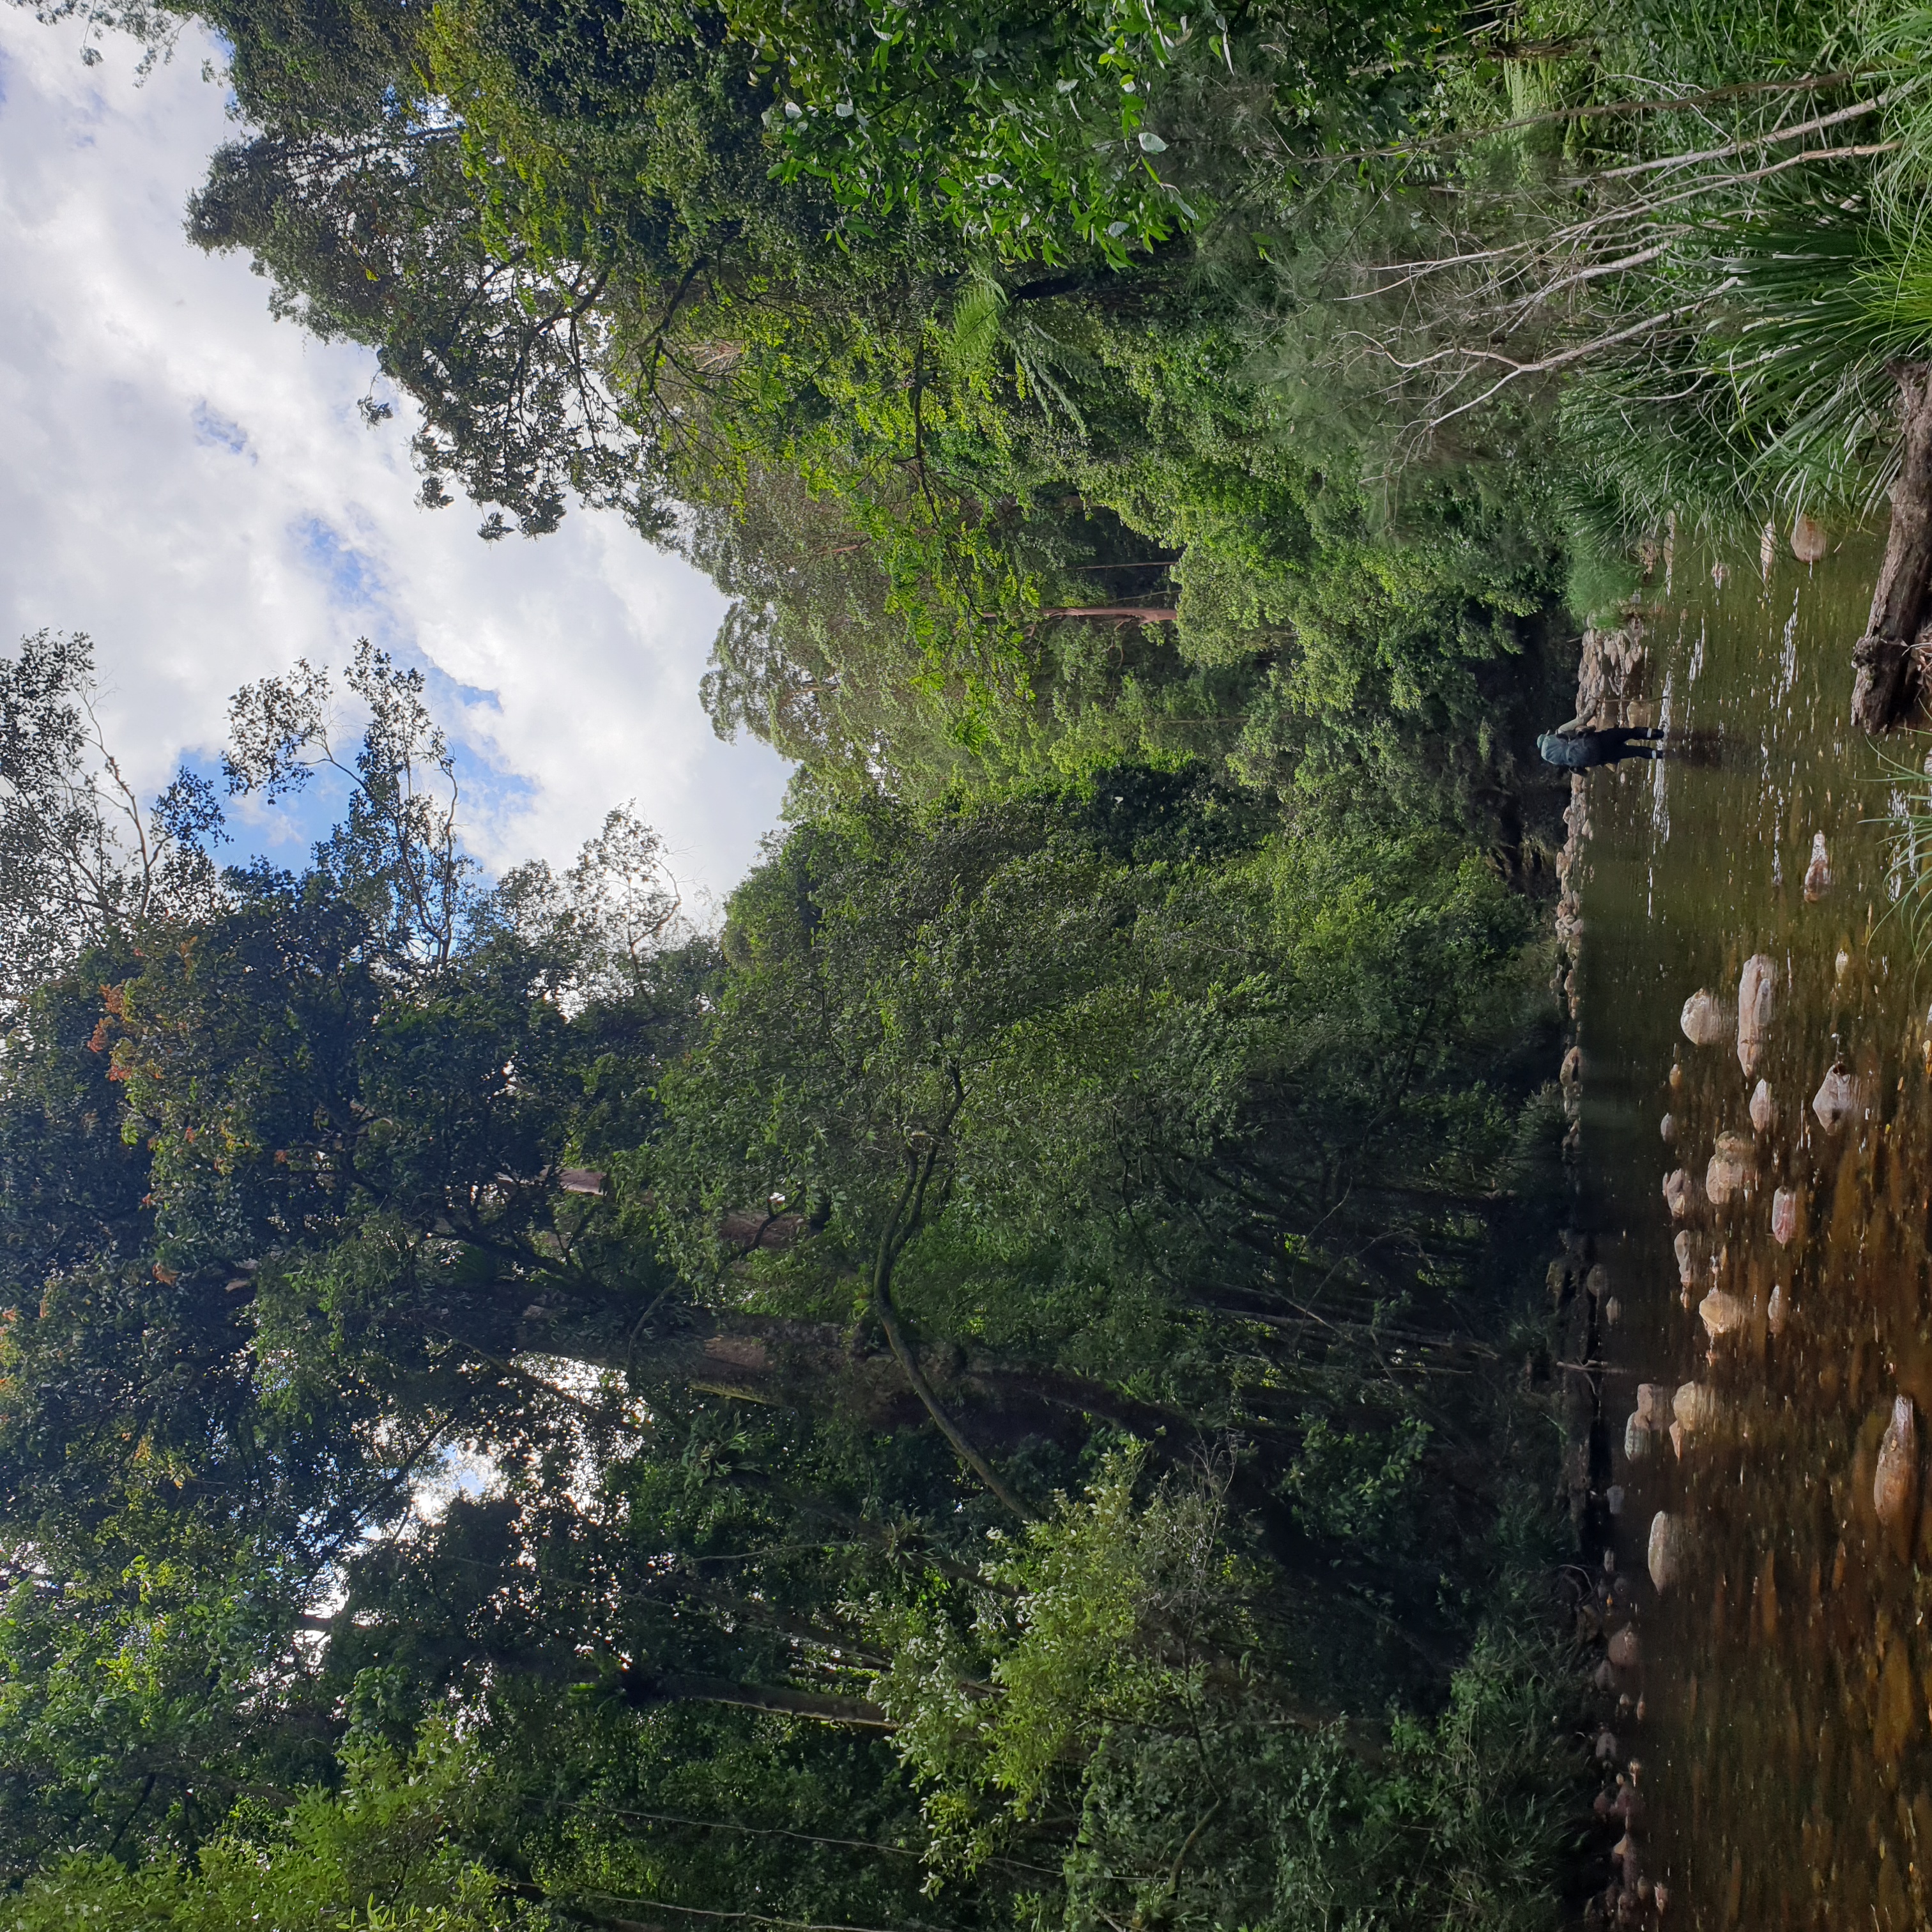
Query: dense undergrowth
{"type": "Point", "coordinates": [1004, 1386]}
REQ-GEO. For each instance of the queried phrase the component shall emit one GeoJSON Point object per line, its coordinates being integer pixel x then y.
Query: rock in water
{"type": "Point", "coordinates": [1730, 1169]}
{"type": "Point", "coordinates": [1695, 1408]}
{"type": "Point", "coordinates": [1763, 1108]}
{"type": "Point", "coordinates": [1637, 1439]}
{"type": "Point", "coordinates": [1724, 1313]}
{"type": "Point", "coordinates": [1667, 1551]}
{"type": "Point", "coordinates": [1837, 1099]}
{"type": "Point", "coordinates": [1702, 1019]}
{"type": "Point", "coordinates": [1687, 1257]}
{"type": "Point", "coordinates": [1653, 1403]}
{"type": "Point", "coordinates": [1897, 1717]}
{"type": "Point", "coordinates": [1895, 1483]}
{"type": "Point", "coordinates": [1818, 874]}
{"type": "Point", "coordinates": [1666, 1129]}
{"type": "Point", "coordinates": [1778, 1314]}
{"type": "Point", "coordinates": [1809, 542]}
{"type": "Point", "coordinates": [1783, 1216]}
{"type": "Point", "coordinates": [1757, 1005]}
{"type": "Point", "coordinates": [1678, 1195]}
{"type": "Point", "coordinates": [1626, 1651]}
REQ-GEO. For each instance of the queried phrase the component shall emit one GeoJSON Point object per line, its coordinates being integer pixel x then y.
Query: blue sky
{"type": "Point", "coordinates": [190, 481]}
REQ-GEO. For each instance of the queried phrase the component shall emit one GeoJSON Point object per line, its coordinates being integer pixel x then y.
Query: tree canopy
{"type": "Point", "coordinates": [515, 1405]}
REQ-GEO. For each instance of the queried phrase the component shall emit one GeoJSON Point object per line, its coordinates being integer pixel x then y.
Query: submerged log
{"type": "Point", "coordinates": [1886, 684]}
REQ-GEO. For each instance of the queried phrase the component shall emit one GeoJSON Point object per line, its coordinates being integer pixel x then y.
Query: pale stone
{"type": "Point", "coordinates": [1694, 1406]}
{"type": "Point", "coordinates": [1837, 1099]}
{"type": "Point", "coordinates": [1757, 1006]}
{"type": "Point", "coordinates": [1666, 1550]}
{"type": "Point", "coordinates": [1653, 1403]}
{"type": "Point", "coordinates": [1783, 1216]}
{"type": "Point", "coordinates": [1818, 874]}
{"type": "Point", "coordinates": [1763, 1108]}
{"type": "Point", "coordinates": [1723, 1313]}
{"type": "Point", "coordinates": [1810, 541]}
{"type": "Point", "coordinates": [1895, 1481]}
{"type": "Point", "coordinates": [1730, 1168]}
{"type": "Point", "coordinates": [1702, 1019]}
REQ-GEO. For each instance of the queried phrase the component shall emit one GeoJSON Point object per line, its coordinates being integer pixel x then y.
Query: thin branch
{"type": "Point", "coordinates": [902, 1223]}
{"type": "Point", "coordinates": [1856, 112]}
{"type": "Point", "coordinates": [1684, 104]}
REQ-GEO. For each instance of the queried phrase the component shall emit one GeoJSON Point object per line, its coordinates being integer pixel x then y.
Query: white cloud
{"type": "Point", "coordinates": [189, 481]}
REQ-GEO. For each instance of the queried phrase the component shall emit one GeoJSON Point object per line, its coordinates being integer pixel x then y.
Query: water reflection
{"type": "Point", "coordinates": [1760, 1180]}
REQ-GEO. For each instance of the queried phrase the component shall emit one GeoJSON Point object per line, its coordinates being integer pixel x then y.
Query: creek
{"type": "Point", "coordinates": [1774, 1694]}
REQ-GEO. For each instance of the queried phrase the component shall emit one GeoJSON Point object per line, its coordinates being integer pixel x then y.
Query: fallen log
{"type": "Point", "coordinates": [1889, 679]}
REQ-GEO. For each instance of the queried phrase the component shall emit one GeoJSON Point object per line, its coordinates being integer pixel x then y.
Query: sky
{"type": "Point", "coordinates": [189, 481]}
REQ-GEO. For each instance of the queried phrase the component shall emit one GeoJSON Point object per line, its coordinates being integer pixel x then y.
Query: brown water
{"type": "Point", "coordinates": [1786, 1676]}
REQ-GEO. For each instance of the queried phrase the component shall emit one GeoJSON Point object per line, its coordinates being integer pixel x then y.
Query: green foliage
{"type": "Point", "coordinates": [1084, 1630]}
{"type": "Point", "coordinates": [980, 1380]}
{"type": "Point", "coordinates": [376, 1856]}
{"type": "Point", "coordinates": [1027, 128]}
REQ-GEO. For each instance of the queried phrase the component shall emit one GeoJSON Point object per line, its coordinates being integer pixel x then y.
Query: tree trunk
{"type": "Point", "coordinates": [1147, 614]}
{"type": "Point", "coordinates": [814, 1368]}
{"type": "Point", "coordinates": [1888, 680]}
{"type": "Point", "coordinates": [642, 1689]}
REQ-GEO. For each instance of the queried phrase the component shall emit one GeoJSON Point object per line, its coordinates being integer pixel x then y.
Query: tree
{"type": "Point", "coordinates": [768, 1286]}
{"type": "Point", "coordinates": [82, 862]}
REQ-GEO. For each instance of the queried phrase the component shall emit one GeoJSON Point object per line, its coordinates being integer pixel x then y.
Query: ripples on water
{"type": "Point", "coordinates": [1777, 1697]}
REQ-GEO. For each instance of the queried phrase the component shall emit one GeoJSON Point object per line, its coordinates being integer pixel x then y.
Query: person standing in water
{"type": "Point", "coordinates": [1582, 750]}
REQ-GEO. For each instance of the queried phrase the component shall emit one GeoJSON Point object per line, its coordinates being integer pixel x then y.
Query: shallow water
{"type": "Point", "coordinates": [1785, 1677]}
